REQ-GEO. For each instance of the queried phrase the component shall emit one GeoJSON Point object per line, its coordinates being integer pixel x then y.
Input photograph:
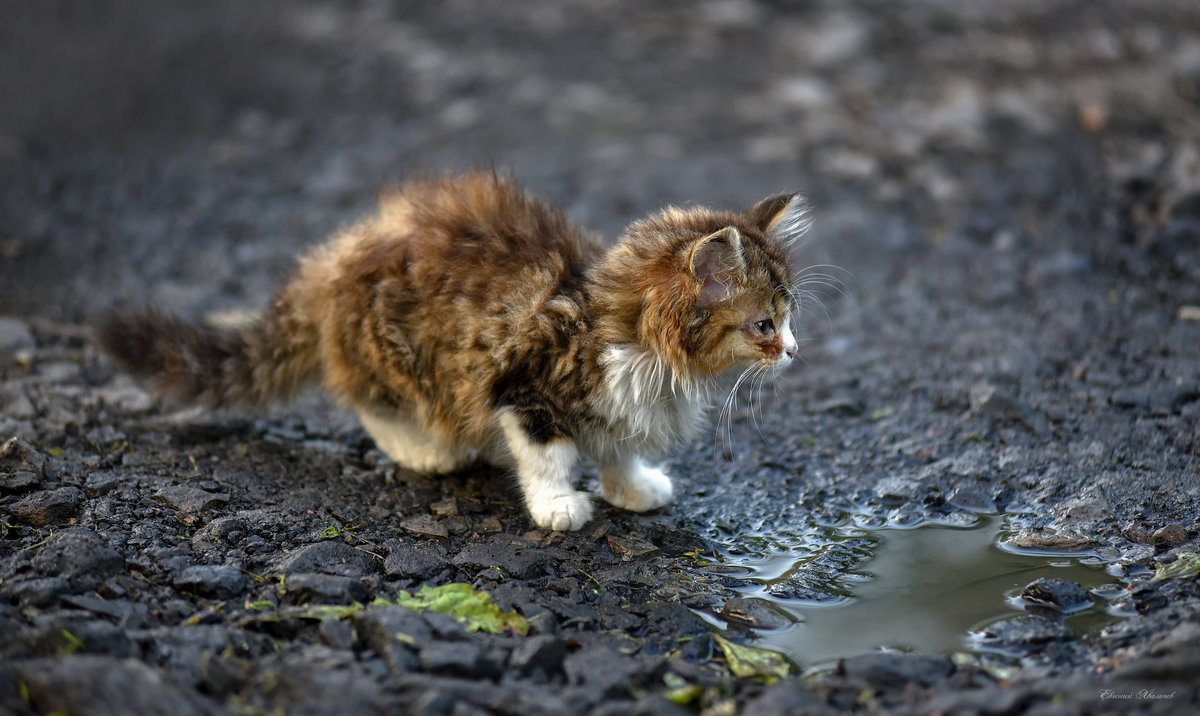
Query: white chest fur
{"type": "Point", "coordinates": [648, 409]}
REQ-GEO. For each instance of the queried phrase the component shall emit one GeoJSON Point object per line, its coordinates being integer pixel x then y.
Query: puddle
{"type": "Point", "coordinates": [922, 588]}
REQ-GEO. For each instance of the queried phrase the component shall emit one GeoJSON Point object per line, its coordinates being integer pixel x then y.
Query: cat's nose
{"type": "Point", "coordinates": [791, 351]}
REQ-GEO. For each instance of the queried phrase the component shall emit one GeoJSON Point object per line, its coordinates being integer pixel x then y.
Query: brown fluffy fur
{"type": "Point", "coordinates": [465, 299]}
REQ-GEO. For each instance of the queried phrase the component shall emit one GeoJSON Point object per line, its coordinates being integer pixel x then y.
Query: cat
{"type": "Point", "coordinates": [469, 319]}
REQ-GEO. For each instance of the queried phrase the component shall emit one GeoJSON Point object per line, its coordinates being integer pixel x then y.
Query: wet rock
{"type": "Point", "coordinates": [1044, 538]}
{"type": "Point", "coordinates": [675, 542]}
{"type": "Point", "coordinates": [632, 546]}
{"type": "Point", "coordinates": [605, 670]}
{"type": "Point", "coordinates": [221, 676]}
{"type": "Point", "coordinates": [787, 697]}
{"type": "Point", "coordinates": [310, 588]}
{"type": "Point", "coordinates": [444, 626]}
{"type": "Point", "coordinates": [419, 560]}
{"type": "Point", "coordinates": [1056, 593]}
{"type": "Point", "coordinates": [1136, 533]}
{"type": "Point", "coordinates": [841, 405]}
{"type": "Point", "coordinates": [512, 556]}
{"type": "Point", "coordinates": [543, 653]}
{"type": "Point", "coordinates": [336, 633]}
{"type": "Point", "coordinates": [445, 508]}
{"type": "Point", "coordinates": [453, 658]}
{"type": "Point", "coordinates": [70, 635]}
{"type": "Point", "coordinates": [755, 613]}
{"type": "Point", "coordinates": [991, 403]}
{"type": "Point", "coordinates": [123, 611]}
{"type": "Point", "coordinates": [107, 686]}
{"type": "Point", "coordinates": [1024, 632]}
{"type": "Point", "coordinates": [1159, 399]}
{"type": "Point", "coordinates": [426, 526]}
{"type": "Point", "coordinates": [190, 500]}
{"type": "Point", "coordinates": [37, 592]}
{"type": "Point", "coordinates": [22, 466]}
{"type": "Point", "coordinates": [326, 557]}
{"type": "Point", "coordinates": [969, 497]}
{"type": "Point", "coordinates": [1169, 534]}
{"type": "Point", "coordinates": [220, 581]}
{"type": "Point", "coordinates": [895, 671]}
{"type": "Point", "coordinates": [48, 508]}
{"type": "Point", "coordinates": [80, 556]}
{"type": "Point", "coordinates": [393, 632]}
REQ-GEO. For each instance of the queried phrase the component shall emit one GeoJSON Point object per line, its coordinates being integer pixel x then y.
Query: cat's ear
{"type": "Point", "coordinates": [717, 263]}
{"type": "Point", "coordinates": [784, 217]}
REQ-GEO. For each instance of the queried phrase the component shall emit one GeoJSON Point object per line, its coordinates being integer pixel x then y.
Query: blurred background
{"type": "Point", "coordinates": [183, 152]}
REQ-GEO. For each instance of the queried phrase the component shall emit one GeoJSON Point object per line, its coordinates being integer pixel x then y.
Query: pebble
{"type": "Point", "coordinates": [632, 546]}
{"type": "Point", "coordinates": [80, 556]}
{"type": "Point", "coordinates": [602, 668]}
{"type": "Point", "coordinates": [895, 670]}
{"type": "Point", "coordinates": [220, 581]}
{"type": "Point", "coordinates": [107, 685]}
{"type": "Point", "coordinates": [452, 658]}
{"type": "Point", "coordinates": [190, 500]}
{"type": "Point", "coordinates": [1041, 538]}
{"type": "Point", "coordinates": [36, 592]}
{"type": "Point", "coordinates": [755, 613]}
{"type": "Point", "coordinates": [1025, 632]}
{"type": "Point", "coordinates": [990, 402]}
{"type": "Point", "coordinates": [393, 632]}
{"type": "Point", "coordinates": [968, 497]}
{"type": "Point", "coordinates": [50, 507]}
{"type": "Point", "coordinates": [513, 557]}
{"type": "Point", "coordinates": [543, 652]}
{"type": "Point", "coordinates": [1056, 593]}
{"type": "Point", "coordinates": [310, 588]}
{"type": "Point", "coordinates": [326, 557]}
{"type": "Point", "coordinates": [426, 526]}
{"type": "Point", "coordinates": [419, 560]}
{"type": "Point", "coordinates": [1169, 534]}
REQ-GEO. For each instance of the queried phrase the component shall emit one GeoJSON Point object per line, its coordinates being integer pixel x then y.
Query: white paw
{"type": "Point", "coordinates": [648, 488]}
{"type": "Point", "coordinates": [568, 511]}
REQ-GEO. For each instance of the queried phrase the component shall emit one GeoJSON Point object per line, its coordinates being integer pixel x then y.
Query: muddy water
{"type": "Point", "coordinates": [923, 588]}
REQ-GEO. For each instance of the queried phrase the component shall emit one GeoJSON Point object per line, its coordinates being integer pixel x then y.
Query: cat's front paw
{"type": "Point", "coordinates": [647, 488]}
{"type": "Point", "coordinates": [568, 511]}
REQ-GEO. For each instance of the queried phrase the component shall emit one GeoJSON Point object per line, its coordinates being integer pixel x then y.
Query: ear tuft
{"type": "Point", "coordinates": [784, 217]}
{"type": "Point", "coordinates": [717, 263]}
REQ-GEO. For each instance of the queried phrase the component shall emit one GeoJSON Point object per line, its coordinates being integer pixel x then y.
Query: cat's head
{"type": "Point", "coordinates": [711, 291]}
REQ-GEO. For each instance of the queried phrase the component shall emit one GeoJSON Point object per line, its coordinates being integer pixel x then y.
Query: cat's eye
{"type": "Point", "coordinates": [765, 326]}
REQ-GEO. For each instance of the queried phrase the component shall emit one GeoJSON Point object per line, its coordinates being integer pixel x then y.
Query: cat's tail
{"type": "Point", "coordinates": [265, 362]}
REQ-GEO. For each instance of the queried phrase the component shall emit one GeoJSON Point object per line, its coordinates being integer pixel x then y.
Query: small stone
{"type": "Point", "coordinates": [393, 632]}
{"type": "Point", "coordinates": [37, 592]}
{"type": "Point", "coordinates": [755, 613]}
{"type": "Point", "coordinates": [513, 557]}
{"type": "Point", "coordinates": [994, 404]}
{"type": "Point", "coordinates": [1025, 631]}
{"type": "Point", "coordinates": [490, 526]}
{"type": "Point", "coordinates": [451, 658]}
{"type": "Point", "coordinates": [326, 557]}
{"type": "Point", "coordinates": [1056, 593]}
{"type": "Point", "coordinates": [220, 581]}
{"type": "Point", "coordinates": [190, 500]}
{"type": "Point", "coordinates": [323, 589]}
{"type": "Point", "coordinates": [445, 508]}
{"type": "Point", "coordinates": [16, 455]}
{"type": "Point", "coordinates": [1169, 534]}
{"type": "Point", "coordinates": [426, 526]}
{"type": "Point", "coordinates": [603, 669]}
{"type": "Point", "coordinates": [542, 652]}
{"type": "Point", "coordinates": [419, 560]}
{"type": "Point", "coordinates": [675, 542]}
{"type": "Point", "coordinates": [336, 633]}
{"type": "Point", "coordinates": [101, 684]}
{"type": "Point", "coordinates": [50, 507]}
{"type": "Point", "coordinates": [971, 498]}
{"type": "Point", "coordinates": [1059, 541]}
{"type": "Point", "coordinates": [1136, 533]}
{"type": "Point", "coordinates": [80, 556]}
{"type": "Point", "coordinates": [786, 697]}
{"type": "Point", "coordinates": [631, 546]}
{"type": "Point", "coordinates": [894, 671]}
{"type": "Point", "coordinates": [221, 676]}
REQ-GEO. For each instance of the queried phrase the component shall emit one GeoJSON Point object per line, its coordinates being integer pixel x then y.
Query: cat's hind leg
{"type": "Point", "coordinates": [629, 483]}
{"type": "Point", "coordinates": [545, 470]}
{"type": "Point", "coordinates": [403, 439]}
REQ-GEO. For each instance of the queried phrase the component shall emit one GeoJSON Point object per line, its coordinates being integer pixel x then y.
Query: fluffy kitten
{"type": "Point", "coordinates": [469, 318]}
